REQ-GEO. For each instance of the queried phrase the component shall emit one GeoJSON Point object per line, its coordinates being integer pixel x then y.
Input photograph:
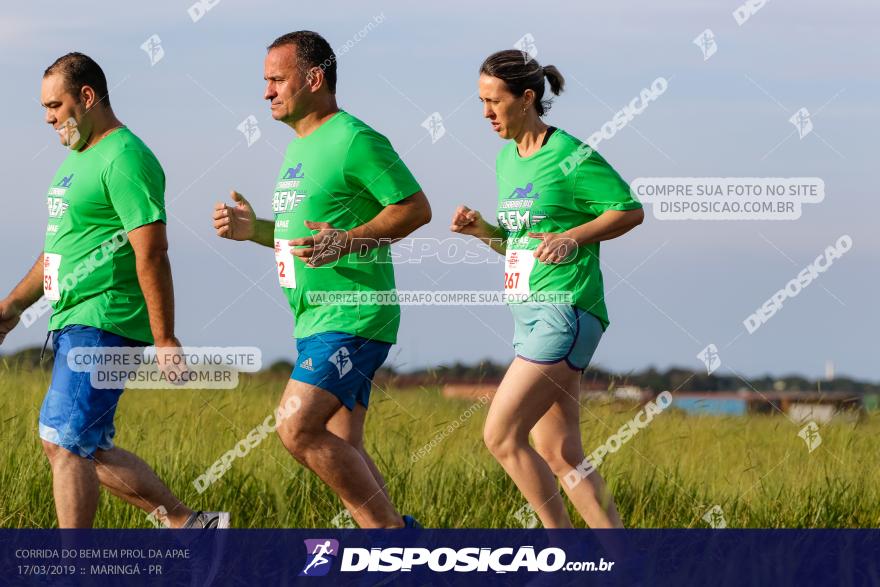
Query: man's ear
{"type": "Point", "coordinates": [315, 79]}
{"type": "Point", "coordinates": [88, 96]}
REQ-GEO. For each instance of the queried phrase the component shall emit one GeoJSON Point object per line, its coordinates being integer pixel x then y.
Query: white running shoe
{"type": "Point", "coordinates": [208, 520]}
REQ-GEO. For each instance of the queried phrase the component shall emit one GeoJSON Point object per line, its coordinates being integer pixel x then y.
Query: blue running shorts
{"type": "Point", "coordinates": [341, 363]}
{"type": "Point", "coordinates": [75, 415]}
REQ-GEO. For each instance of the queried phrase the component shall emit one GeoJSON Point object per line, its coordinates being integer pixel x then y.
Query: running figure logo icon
{"type": "Point", "coordinates": [65, 181]}
{"type": "Point", "coordinates": [331, 249]}
{"type": "Point", "coordinates": [526, 192]}
{"type": "Point", "coordinates": [153, 48]}
{"type": "Point", "coordinates": [802, 122]}
{"type": "Point", "coordinates": [434, 125]}
{"type": "Point", "coordinates": [294, 172]}
{"type": "Point", "coordinates": [342, 360]}
{"type": "Point", "coordinates": [706, 43]}
{"type": "Point", "coordinates": [710, 358]}
{"type": "Point", "coordinates": [320, 554]}
{"type": "Point", "coordinates": [250, 129]}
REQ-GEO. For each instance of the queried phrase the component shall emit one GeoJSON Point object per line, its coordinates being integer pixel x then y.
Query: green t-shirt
{"type": "Point", "coordinates": [536, 195]}
{"type": "Point", "coordinates": [96, 198]}
{"type": "Point", "coordinates": [343, 173]}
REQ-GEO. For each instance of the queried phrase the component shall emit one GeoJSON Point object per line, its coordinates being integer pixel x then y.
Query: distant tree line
{"type": "Point", "coordinates": [674, 378]}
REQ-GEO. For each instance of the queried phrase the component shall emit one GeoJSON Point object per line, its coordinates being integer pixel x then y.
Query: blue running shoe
{"type": "Point", "coordinates": [410, 522]}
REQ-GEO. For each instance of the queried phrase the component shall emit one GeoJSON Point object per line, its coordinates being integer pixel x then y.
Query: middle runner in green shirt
{"type": "Point", "coordinates": [341, 197]}
{"type": "Point", "coordinates": [557, 198]}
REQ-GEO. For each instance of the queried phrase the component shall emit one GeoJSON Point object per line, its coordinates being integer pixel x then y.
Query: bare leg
{"type": "Point", "coordinates": [126, 476]}
{"type": "Point", "coordinates": [335, 461]}
{"type": "Point", "coordinates": [349, 426]}
{"type": "Point", "coordinates": [557, 438]}
{"type": "Point", "coordinates": [524, 396]}
{"type": "Point", "coordinates": [74, 486]}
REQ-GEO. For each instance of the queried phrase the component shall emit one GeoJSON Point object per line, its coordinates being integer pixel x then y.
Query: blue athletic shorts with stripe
{"type": "Point", "coordinates": [549, 333]}
{"type": "Point", "coordinates": [341, 363]}
{"type": "Point", "coordinates": [75, 415]}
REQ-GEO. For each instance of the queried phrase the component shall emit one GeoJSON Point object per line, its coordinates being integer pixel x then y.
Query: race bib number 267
{"type": "Point", "coordinates": [518, 264]}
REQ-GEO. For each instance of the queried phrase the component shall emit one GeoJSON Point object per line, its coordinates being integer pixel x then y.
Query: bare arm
{"type": "Point", "coordinates": [467, 221]}
{"type": "Point", "coordinates": [150, 244]}
{"type": "Point", "coordinates": [264, 232]}
{"type": "Point", "coordinates": [611, 224]}
{"type": "Point", "coordinates": [23, 295]}
{"type": "Point", "coordinates": [556, 247]}
{"type": "Point", "coordinates": [493, 236]}
{"type": "Point", "coordinates": [393, 223]}
{"type": "Point", "coordinates": [29, 289]}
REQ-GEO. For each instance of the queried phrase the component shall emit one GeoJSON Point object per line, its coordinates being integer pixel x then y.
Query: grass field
{"type": "Point", "coordinates": [756, 468]}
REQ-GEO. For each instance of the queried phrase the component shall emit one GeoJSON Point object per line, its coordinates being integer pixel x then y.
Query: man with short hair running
{"type": "Point", "coordinates": [341, 197]}
{"type": "Point", "coordinates": [106, 273]}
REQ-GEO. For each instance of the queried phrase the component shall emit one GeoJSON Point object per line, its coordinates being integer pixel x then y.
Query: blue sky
{"type": "Point", "coordinates": [674, 286]}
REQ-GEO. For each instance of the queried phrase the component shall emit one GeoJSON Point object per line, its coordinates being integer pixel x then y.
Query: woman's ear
{"type": "Point", "coordinates": [528, 98]}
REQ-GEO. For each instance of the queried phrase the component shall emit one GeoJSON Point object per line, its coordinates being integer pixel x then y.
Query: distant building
{"type": "Point", "coordinates": [800, 406]}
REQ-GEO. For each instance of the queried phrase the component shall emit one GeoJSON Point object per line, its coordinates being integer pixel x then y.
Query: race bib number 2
{"type": "Point", "coordinates": [51, 264]}
{"type": "Point", "coordinates": [284, 264]}
{"type": "Point", "coordinates": [518, 264]}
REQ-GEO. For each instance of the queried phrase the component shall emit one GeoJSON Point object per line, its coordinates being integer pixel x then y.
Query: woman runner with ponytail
{"type": "Point", "coordinates": [557, 199]}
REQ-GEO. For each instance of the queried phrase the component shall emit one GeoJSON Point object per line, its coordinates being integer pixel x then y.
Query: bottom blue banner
{"type": "Point", "coordinates": [440, 557]}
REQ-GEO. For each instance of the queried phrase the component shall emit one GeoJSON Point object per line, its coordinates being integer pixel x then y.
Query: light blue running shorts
{"type": "Point", "coordinates": [549, 333]}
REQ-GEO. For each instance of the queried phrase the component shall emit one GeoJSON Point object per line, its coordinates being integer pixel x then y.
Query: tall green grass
{"type": "Point", "coordinates": [756, 467]}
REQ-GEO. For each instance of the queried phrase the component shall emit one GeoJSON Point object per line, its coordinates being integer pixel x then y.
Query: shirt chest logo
{"type": "Point", "coordinates": [56, 203]}
{"type": "Point", "coordinates": [524, 193]}
{"type": "Point", "coordinates": [288, 192]}
{"type": "Point", "coordinates": [294, 172]}
{"type": "Point", "coordinates": [515, 211]}
{"type": "Point", "coordinates": [60, 188]}
{"type": "Point", "coordinates": [57, 206]}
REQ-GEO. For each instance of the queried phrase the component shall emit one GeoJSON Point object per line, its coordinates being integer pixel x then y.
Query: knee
{"type": "Point", "coordinates": [561, 457]}
{"type": "Point", "coordinates": [50, 450]}
{"type": "Point", "coordinates": [298, 439]}
{"type": "Point", "coordinates": [349, 437]}
{"type": "Point", "coordinates": [56, 454]}
{"type": "Point", "coordinates": [501, 443]}
{"type": "Point", "coordinates": [59, 456]}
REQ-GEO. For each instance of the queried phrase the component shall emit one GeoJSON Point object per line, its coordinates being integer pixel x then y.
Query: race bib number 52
{"type": "Point", "coordinates": [51, 264]}
{"type": "Point", "coordinates": [284, 264]}
{"type": "Point", "coordinates": [518, 264]}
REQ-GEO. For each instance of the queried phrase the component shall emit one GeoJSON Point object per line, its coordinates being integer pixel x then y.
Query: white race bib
{"type": "Point", "coordinates": [518, 264]}
{"type": "Point", "coordinates": [284, 264]}
{"type": "Point", "coordinates": [51, 287]}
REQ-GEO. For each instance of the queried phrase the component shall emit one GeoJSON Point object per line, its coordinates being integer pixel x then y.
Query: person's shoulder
{"type": "Point", "coordinates": [358, 129]}
{"type": "Point", "coordinates": [577, 152]}
{"type": "Point", "coordinates": [124, 149]}
{"type": "Point", "coordinates": [364, 141]}
{"type": "Point", "coordinates": [565, 142]}
{"type": "Point", "coordinates": [124, 139]}
{"type": "Point", "coordinates": [125, 142]}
